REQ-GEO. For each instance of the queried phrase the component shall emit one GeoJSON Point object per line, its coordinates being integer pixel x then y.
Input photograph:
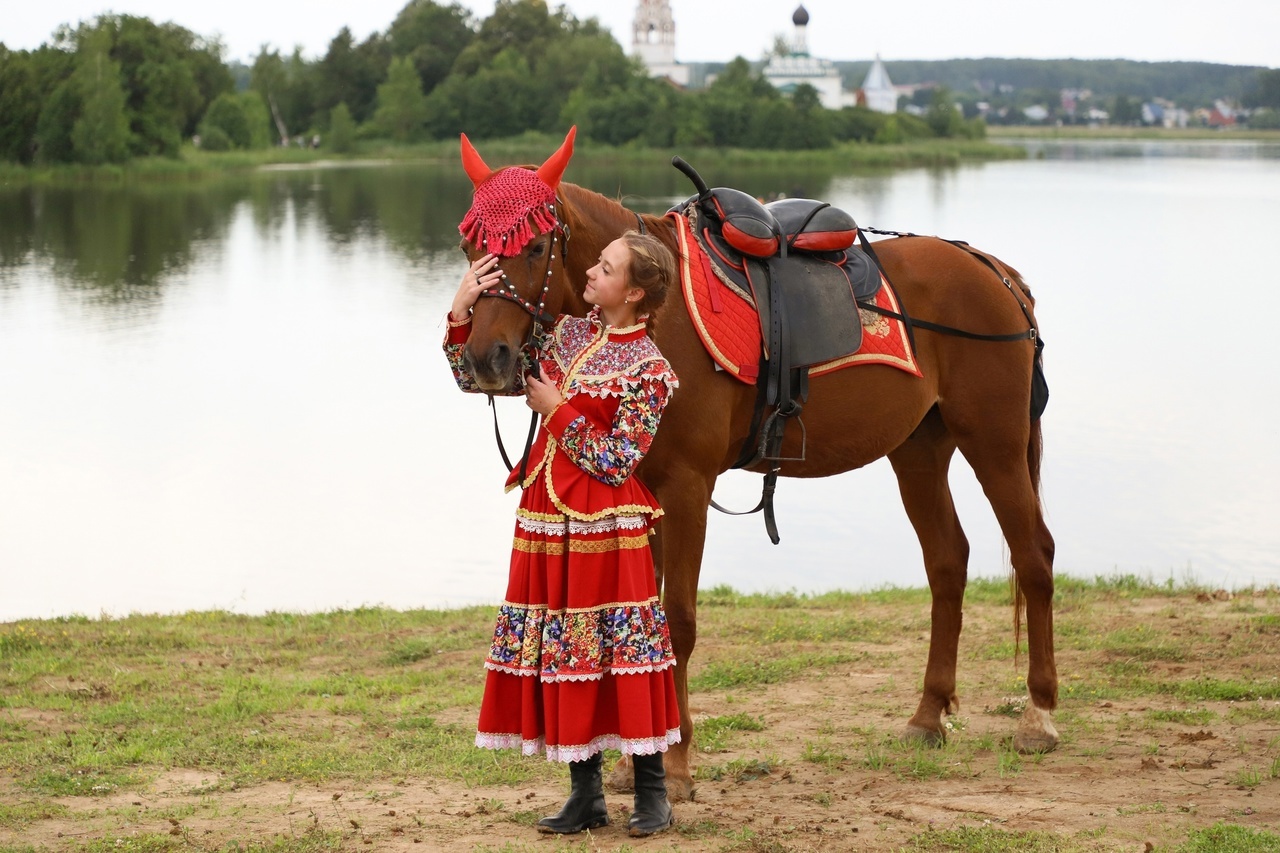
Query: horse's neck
{"type": "Point", "coordinates": [598, 220]}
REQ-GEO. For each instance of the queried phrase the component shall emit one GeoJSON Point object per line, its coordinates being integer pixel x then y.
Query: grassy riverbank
{"type": "Point", "coordinates": [201, 165]}
{"type": "Point", "coordinates": [196, 165]}
{"type": "Point", "coordinates": [1166, 134]}
{"type": "Point", "coordinates": [336, 731]}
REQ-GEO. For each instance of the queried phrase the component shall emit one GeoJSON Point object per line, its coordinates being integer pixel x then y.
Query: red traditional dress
{"type": "Point", "coordinates": [581, 655]}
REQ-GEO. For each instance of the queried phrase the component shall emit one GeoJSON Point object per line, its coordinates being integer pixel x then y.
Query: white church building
{"type": "Point", "coordinates": [796, 67]}
{"type": "Point", "coordinates": [878, 92]}
{"type": "Point", "coordinates": [653, 41]}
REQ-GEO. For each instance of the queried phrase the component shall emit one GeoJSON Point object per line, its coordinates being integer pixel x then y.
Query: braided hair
{"type": "Point", "coordinates": [652, 268]}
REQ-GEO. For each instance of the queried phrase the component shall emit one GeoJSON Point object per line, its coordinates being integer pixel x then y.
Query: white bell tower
{"type": "Point", "coordinates": [653, 41]}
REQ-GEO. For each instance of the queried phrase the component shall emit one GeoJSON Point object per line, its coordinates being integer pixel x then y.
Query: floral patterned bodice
{"type": "Point", "coordinates": [616, 384]}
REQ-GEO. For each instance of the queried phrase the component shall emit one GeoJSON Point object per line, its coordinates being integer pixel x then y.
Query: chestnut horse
{"type": "Point", "coordinates": [974, 396]}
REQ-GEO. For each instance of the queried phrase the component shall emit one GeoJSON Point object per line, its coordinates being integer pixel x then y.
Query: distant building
{"type": "Point", "coordinates": [796, 67]}
{"type": "Point", "coordinates": [878, 92]}
{"type": "Point", "coordinates": [1163, 113]}
{"type": "Point", "coordinates": [1036, 112]}
{"type": "Point", "coordinates": [653, 41]}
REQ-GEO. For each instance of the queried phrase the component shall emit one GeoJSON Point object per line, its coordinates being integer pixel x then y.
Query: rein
{"type": "Point", "coordinates": [538, 317]}
{"type": "Point", "coordinates": [1031, 334]}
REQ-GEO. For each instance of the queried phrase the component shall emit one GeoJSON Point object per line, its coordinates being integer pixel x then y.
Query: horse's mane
{"type": "Point", "coordinates": [602, 215]}
{"type": "Point", "coordinates": [589, 203]}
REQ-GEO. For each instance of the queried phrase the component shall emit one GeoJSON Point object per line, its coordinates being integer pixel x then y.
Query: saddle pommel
{"type": "Point", "coordinates": [744, 222]}
{"type": "Point", "coordinates": [809, 225]}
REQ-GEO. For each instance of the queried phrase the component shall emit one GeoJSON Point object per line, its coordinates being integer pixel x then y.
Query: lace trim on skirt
{"type": "Point", "coordinates": [559, 527]}
{"type": "Point", "coordinates": [579, 752]}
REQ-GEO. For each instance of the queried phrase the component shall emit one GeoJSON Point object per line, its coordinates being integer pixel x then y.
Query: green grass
{"type": "Point", "coordinates": [1226, 690]}
{"type": "Point", "coordinates": [348, 694]}
{"type": "Point", "coordinates": [90, 708]}
{"type": "Point", "coordinates": [911, 760]}
{"type": "Point", "coordinates": [16, 815]}
{"type": "Point", "coordinates": [1198, 717]}
{"type": "Point", "coordinates": [1171, 134]}
{"type": "Point", "coordinates": [1268, 624]}
{"type": "Point", "coordinates": [714, 733]}
{"type": "Point", "coordinates": [194, 164]}
{"type": "Point", "coordinates": [313, 841]}
{"type": "Point", "coordinates": [1230, 838]}
{"type": "Point", "coordinates": [991, 840]}
{"type": "Point", "coordinates": [722, 675]}
{"type": "Point", "coordinates": [825, 752]}
{"type": "Point", "coordinates": [739, 770]}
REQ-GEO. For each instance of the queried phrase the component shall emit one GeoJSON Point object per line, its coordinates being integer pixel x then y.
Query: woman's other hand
{"type": "Point", "coordinates": [542, 395]}
{"type": "Point", "coordinates": [482, 275]}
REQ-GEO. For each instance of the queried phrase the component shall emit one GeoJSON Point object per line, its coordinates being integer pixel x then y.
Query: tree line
{"type": "Point", "coordinates": [123, 86]}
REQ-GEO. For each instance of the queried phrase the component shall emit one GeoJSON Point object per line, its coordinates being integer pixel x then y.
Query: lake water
{"type": "Point", "coordinates": [232, 395]}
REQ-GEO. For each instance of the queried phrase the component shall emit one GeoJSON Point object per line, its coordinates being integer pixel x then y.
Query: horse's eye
{"type": "Point", "coordinates": [537, 250]}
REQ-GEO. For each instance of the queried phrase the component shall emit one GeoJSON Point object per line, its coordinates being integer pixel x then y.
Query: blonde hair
{"type": "Point", "coordinates": [652, 268]}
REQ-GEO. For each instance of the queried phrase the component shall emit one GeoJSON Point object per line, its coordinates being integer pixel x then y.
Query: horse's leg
{"type": "Point", "coordinates": [1007, 468]}
{"type": "Point", "coordinates": [683, 539]}
{"type": "Point", "coordinates": [678, 558]}
{"type": "Point", "coordinates": [921, 465]}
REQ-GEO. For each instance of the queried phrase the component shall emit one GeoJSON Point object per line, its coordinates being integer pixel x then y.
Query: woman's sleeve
{"type": "Point", "coordinates": [612, 455]}
{"type": "Point", "coordinates": [455, 341]}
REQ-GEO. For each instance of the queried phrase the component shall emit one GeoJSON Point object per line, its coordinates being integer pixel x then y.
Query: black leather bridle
{"type": "Point", "coordinates": [539, 318]}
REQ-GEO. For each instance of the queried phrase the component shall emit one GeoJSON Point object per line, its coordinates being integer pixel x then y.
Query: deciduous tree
{"type": "Point", "coordinates": [431, 35]}
{"type": "Point", "coordinates": [101, 132]}
{"type": "Point", "coordinates": [342, 130]}
{"type": "Point", "coordinates": [350, 73]}
{"type": "Point", "coordinates": [402, 108]}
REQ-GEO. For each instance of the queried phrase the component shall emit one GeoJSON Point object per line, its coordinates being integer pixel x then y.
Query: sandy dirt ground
{"type": "Point", "coordinates": [820, 775]}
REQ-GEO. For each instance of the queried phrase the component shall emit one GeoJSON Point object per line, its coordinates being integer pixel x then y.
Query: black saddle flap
{"type": "Point", "coordinates": [809, 225]}
{"type": "Point", "coordinates": [863, 274]}
{"type": "Point", "coordinates": [819, 307]}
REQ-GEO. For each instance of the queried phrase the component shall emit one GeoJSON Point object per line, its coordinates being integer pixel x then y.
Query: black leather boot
{"type": "Point", "coordinates": [653, 811]}
{"type": "Point", "coordinates": [585, 808]}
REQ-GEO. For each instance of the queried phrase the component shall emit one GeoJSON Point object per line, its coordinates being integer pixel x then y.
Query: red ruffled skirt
{"type": "Point", "coordinates": [581, 657]}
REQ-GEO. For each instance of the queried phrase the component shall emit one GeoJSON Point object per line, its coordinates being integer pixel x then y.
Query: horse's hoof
{"type": "Point", "coordinates": [1034, 742]}
{"type": "Point", "coordinates": [925, 737]}
{"type": "Point", "coordinates": [1035, 732]}
{"type": "Point", "coordinates": [622, 778]}
{"type": "Point", "coordinates": [679, 790]}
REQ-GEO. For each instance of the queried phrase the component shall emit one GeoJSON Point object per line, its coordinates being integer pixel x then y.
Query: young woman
{"type": "Point", "coordinates": [581, 656]}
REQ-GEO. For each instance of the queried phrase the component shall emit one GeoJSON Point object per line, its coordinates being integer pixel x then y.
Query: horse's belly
{"type": "Point", "coordinates": [852, 418]}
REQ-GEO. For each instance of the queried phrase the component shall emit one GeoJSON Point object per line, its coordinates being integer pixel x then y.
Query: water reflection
{"type": "Point", "coordinates": [119, 247]}
{"type": "Point", "coordinates": [240, 400]}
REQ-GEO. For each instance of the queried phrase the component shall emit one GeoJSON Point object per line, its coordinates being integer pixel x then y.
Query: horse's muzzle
{"type": "Point", "coordinates": [494, 370]}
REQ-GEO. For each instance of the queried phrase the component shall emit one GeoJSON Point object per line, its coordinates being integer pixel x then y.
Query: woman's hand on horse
{"type": "Point", "coordinates": [542, 395]}
{"type": "Point", "coordinates": [482, 275]}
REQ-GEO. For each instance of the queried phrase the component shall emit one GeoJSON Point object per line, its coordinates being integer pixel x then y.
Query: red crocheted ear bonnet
{"type": "Point", "coordinates": [513, 205]}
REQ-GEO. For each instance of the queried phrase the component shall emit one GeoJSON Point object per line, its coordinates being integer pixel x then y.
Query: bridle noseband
{"type": "Point", "coordinates": [507, 289]}
{"type": "Point", "coordinates": [538, 319]}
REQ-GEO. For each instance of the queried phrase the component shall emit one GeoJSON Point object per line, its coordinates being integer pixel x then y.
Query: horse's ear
{"type": "Point", "coordinates": [476, 168]}
{"type": "Point", "coordinates": [551, 171]}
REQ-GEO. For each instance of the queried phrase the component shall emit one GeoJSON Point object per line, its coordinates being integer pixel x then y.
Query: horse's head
{"type": "Point", "coordinates": [515, 214]}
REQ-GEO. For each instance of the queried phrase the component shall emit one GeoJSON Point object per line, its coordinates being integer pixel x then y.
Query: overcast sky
{"type": "Point", "coordinates": [1237, 32]}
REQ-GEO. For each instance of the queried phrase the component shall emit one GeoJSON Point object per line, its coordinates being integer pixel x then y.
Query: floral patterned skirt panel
{"type": "Point", "coordinates": [581, 655]}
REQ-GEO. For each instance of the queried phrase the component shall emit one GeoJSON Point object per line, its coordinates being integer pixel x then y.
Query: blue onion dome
{"type": "Point", "coordinates": [801, 16]}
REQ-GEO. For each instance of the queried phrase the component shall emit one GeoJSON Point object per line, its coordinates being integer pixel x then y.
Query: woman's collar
{"type": "Point", "coordinates": [616, 331]}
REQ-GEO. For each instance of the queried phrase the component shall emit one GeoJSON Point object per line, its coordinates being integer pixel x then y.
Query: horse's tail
{"type": "Point", "coordinates": [1035, 450]}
